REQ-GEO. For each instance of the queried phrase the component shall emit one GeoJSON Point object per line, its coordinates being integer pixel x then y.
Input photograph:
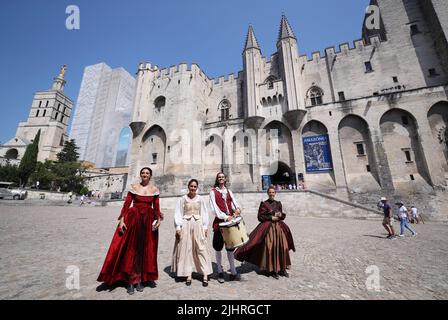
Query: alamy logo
{"type": "Point", "coordinates": [73, 21]}
{"type": "Point", "coordinates": [72, 281]}
{"type": "Point", "coordinates": [372, 18]}
{"type": "Point", "coordinates": [373, 280]}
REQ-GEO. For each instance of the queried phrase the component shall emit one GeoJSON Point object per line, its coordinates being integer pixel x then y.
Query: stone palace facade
{"type": "Point", "coordinates": [365, 119]}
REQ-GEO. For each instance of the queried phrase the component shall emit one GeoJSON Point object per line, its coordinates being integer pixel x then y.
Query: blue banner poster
{"type": "Point", "coordinates": [317, 154]}
{"type": "Point", "coordinates": [266, 182]}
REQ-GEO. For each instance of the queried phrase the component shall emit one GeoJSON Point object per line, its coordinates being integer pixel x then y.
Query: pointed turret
{"type": "Point", "coordinates": [59, 82]}
{"type": "Point", "coordinates": [251, 40]}
{"type": "Point", "coordinates": [285, 30]}
{"type": "Point", "coordinates": [252, 62]}
{"type": "Point", "coordinates": [288, 57]}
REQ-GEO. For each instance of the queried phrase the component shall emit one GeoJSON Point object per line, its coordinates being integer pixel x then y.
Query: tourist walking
{"type": "Point", "coordinates": [388, 217]}
{"type": "Point", "coordinates": [403, 215]}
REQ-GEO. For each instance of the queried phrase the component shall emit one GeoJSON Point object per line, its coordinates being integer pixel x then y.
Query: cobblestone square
{"type": "Point", "coordinates": [334, 258]}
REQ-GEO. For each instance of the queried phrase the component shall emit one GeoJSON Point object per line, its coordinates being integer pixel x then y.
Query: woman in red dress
{"type": "Point", "coordinates": [270, 242]}
{"type": "Point", "coordinates": [132, 255]}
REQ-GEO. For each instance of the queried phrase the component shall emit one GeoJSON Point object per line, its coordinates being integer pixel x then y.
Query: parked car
{"type": "Point", "coordinates": [9, 191]}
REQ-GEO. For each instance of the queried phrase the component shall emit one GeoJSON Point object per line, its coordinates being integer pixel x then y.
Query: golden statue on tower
{"type": "Point", "coordinates": [62, 72]}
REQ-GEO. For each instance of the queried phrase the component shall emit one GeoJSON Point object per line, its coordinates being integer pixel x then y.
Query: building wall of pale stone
{"type": "Point", "coordinates": [106, 183]}
{"type": "Point", "coordinates": [395, 112]}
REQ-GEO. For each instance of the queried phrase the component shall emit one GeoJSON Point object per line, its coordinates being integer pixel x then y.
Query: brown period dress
{"type": "Point", "coordinates": [269, 243]}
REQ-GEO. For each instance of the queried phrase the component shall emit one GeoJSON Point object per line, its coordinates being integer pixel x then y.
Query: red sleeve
{"type": "Point", "coordinates": [263, 213]}
{"type": "Point", "coordinates": [126, 205]}
{"type": "Point", "coordinates": [157, 206]}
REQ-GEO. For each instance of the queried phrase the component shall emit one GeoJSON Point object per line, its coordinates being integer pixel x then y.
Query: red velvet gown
{"type": "Point", "coordinates": [132, 255]}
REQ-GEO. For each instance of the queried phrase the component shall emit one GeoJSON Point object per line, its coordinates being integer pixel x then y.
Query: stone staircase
{"type": "Point", "coordinates": [307, 203]}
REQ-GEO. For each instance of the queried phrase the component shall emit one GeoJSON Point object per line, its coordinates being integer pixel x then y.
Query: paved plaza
{"type": "Point", "coordinates": [334, 258]}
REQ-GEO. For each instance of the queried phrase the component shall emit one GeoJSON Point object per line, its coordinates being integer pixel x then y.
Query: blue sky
{"type": "Point", "coordinates": [211, 33]}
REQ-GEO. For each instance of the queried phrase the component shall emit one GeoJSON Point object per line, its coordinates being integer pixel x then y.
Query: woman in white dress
{"type": "Point", "coordinates": [190, 252]}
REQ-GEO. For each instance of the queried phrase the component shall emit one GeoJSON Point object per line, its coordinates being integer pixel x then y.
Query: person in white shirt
{"type": "Point", "coordinates": [190, 252]}
{"type": "Point", "coordinates": [82, 200]}
{"type": "Point", "coordinates": [226, 208]}
{"type": "Point", "coordinates": [417, 218]}
{"type": "Point", "coordinates": [403, 215]}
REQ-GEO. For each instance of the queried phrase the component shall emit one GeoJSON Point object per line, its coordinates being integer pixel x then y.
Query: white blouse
{"type": "Point", "coordinates": [179, 212]}
{"type": "Point", "coordinates": [222, 215]}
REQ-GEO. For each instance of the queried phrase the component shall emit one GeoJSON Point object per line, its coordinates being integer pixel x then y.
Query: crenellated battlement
{"type": "Point", "coordinates": [316, 56]}
{"type": "Point", "coordinates": [358, 44]}
{"type": "Point", "coordinates": [225, 79]}
{"type": "Point", "coordinates": [343, 49]}
{"type": "Point", "coordinates": [172, 71]}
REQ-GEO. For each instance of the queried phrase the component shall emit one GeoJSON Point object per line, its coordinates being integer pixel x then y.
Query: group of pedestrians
{"type": "Point", "coordinates": [404, 215]}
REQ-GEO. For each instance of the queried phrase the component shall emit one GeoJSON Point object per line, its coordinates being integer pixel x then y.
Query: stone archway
{"type": "Point", "coordinates": [213, 151]}
{"type": "Point", "coordinates": [404, 152]}
{"type": "Point", "coordinates": [124, 142]}
{"type": "Point", "coordinates": [154, 149]}
{"type": "Point", "coordinates": [358, 155]}
{"type": "Point", "coordinates": [438, 121]}
{"type": "Point", "coordinates": [284, 175]}
{"type": "Point", "coordinates": [318, 173]}
{"type": "Point", "coordinates": [282, 151]}
{"type": "Point", "coordinates": [241, 158]}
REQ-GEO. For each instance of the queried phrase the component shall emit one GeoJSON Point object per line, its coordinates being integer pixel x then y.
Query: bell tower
{"type": "Point", "coordinates": [50, 112]}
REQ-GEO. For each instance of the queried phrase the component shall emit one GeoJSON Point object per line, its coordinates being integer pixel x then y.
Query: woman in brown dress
{"type": "Point", "coordinates": [270, 242]}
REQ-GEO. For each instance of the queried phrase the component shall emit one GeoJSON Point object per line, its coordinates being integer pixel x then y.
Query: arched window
{"type": "Point", "coordinates": [270, 82]}
{"type": "Point", "coordinates": [315, 95]}
{"type": "Point", "coordinates": [124, 141]}
{"type": "Point", "coordinates": [11, 154]}
{"type": "Point", "coordinates": [224, 106]}
{"type": "Point", "coordinates": [159, 102]}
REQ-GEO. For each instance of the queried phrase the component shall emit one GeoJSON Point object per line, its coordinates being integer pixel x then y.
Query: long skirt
{"type": "Point", "coordinates": [275, 256]}
{"type": "Point", "coordinates": [132, 255]}
{"type": "Point", "coordinates": [190, 252]}
{"type": "Point", "coordinates": [268, 247]}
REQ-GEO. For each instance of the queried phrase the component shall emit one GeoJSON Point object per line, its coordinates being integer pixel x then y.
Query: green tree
{"type": "Point", "coordinates": [68, 171]}
{"type": "Point", "coordinates": [69, 152]}
{"type": "Point", "coordinates": [44, 174]}
{"type": "Point", "coordinates": [29, 160]}
{"type": "Point", "coordinates": [68, 176]}
{"type": "Point", "coordinates": [9, 173]}
{"type": "Point", "coordinates": [84, 191]}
